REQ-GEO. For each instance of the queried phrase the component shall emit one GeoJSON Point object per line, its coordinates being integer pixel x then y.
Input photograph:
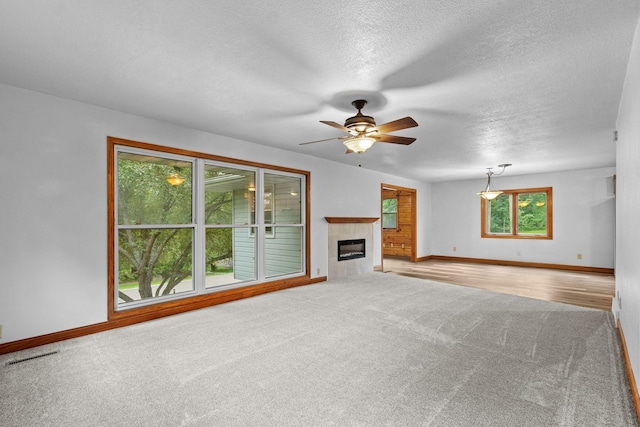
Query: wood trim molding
{"type": "Point", "coordinates": [632, 381]}
{"type": "Point", "coordinates": [597, 270]}
{"type": "Point", "coordinates": [398, 188]}
{"type": "Point", "coordinates": [112, 140]}
{"type": "Point", "coordinates": [192, 304]}
{"type": "Point", "coordinates": [350, 219]}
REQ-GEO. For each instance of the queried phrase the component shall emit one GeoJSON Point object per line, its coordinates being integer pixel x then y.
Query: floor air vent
{"type": "Point", "coordinates": [37, 356]}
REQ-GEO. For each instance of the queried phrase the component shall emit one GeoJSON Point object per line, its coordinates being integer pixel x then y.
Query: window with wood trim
{"type": "Point", "coordinates": [390, 213]}
{"type": "Point", "coordinates": [518, 214]}
{"type": "Point", "coordinates": [186, 224]}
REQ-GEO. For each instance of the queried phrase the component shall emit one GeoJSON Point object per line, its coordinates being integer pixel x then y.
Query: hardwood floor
{"type": "Point", "coordinates": [570, 287]}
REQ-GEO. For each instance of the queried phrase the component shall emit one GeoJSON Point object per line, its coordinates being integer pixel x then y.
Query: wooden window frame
{"type": "Point", "coordinates": [514, 215]}
{"type": "Point", "coordinates": [117, 318]}
{"type": "Point", "coordinates": [387, 213]}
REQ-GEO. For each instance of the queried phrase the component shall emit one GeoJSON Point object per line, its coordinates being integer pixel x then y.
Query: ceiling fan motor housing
{"type": "Point", "coordinates": [360, 122]}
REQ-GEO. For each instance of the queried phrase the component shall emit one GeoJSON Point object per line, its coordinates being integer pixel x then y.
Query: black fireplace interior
{"type": "Point", "coordinates": [350, 249]}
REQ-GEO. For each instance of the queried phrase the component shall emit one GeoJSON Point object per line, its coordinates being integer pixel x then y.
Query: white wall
{"type": "Point", "coordinates": [628, 209]}
{"type": "Point", "coordinates": [53, 204]}
{"type": "Point", "coordinates": [583, 219]}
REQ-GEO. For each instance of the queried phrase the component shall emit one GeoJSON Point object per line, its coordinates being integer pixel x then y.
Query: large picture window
{"type": "Point", "coordinates": [521, 214]}
{"type": "Point", "coordinates": [188, 225]}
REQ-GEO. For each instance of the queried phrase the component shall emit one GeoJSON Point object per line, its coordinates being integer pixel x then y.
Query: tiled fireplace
{"type": "Point", "coordinates": [354, 255]}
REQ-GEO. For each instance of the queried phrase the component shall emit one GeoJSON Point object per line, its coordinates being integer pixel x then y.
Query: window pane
{"type": "Point", "coordinates": [390, 213]}
{"type": "Point", "coordinates": [390, 205]}
{"type": "Point", "coordinates": [389, 220]}
{"type": "Point", "coordinates": [224, 265]}
{"type": "Point", "coordinates": [532, 214]}
{"type": "Point", "coordinates": [283, 253]}
{"type": "Point", "coordinates": [153, 190]}
{"type": "Point", "coordinates": [244, 251]}
{"type": "Point", "coordinates": [499, 214]}
{"type": "Point", "coordinates": [229, 195]}
{"type": "Point", "coordinates": [154, 262]}
{"type": "Point", "coordinates": [282, 199]}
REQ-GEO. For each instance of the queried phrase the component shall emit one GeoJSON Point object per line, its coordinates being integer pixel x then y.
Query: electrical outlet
{"type": "Point", "coordinates": [579, 256]}
{"type": "Point", "coordinates": [403, 246]}
{"type": "Point", "coordinates": [0, 331]}
{"type": "Point", "coordinates": [317, 271]}
{"type": "Point", "coordinates": [518, 253]}
{"type": "Point", "coordinates": [455, 249]}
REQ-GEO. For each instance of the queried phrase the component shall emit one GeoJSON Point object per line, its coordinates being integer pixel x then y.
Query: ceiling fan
{"type": "Point", "coordinates": [363, 131]}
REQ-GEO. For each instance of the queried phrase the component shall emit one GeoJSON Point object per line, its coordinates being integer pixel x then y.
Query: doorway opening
{"type": "Point", "coordinates": [398, 213]}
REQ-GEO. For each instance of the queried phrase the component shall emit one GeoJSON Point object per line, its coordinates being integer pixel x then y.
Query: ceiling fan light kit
{"type": "Point", "coordinates": [488, 193]}
{"type": "Point", "coordinates": [359, 144]}
{"type": "Point", "coordinates": [363, 131]}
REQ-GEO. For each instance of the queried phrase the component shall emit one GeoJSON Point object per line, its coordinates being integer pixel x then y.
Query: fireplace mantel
{"type": "Point", "coordinates": [349, 219]}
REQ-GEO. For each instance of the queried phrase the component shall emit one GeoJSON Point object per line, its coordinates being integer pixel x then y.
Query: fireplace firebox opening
{"type": "Point", "coordinates": [351, 249]}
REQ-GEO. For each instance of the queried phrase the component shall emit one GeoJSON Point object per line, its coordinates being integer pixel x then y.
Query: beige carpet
{"type": "Point", "coordinates": [371, 350]}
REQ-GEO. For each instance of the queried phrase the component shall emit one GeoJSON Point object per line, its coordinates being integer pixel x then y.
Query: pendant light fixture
{"type": "Point", "coordinates": [488, 193]}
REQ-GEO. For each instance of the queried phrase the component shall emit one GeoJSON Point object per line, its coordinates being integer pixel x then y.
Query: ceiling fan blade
{"type": "Point", "coordinates": [337, 126]}
{"type": "Point", "coordinates": [394, 139]}
{"type": "Point", "coordinates": [323, 140]}
{"type": "Point", "coordinates": [404, 123]}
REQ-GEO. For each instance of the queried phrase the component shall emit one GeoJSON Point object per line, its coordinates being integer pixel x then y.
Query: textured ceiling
{"type": "Point", "coordinates": [533, 83]}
